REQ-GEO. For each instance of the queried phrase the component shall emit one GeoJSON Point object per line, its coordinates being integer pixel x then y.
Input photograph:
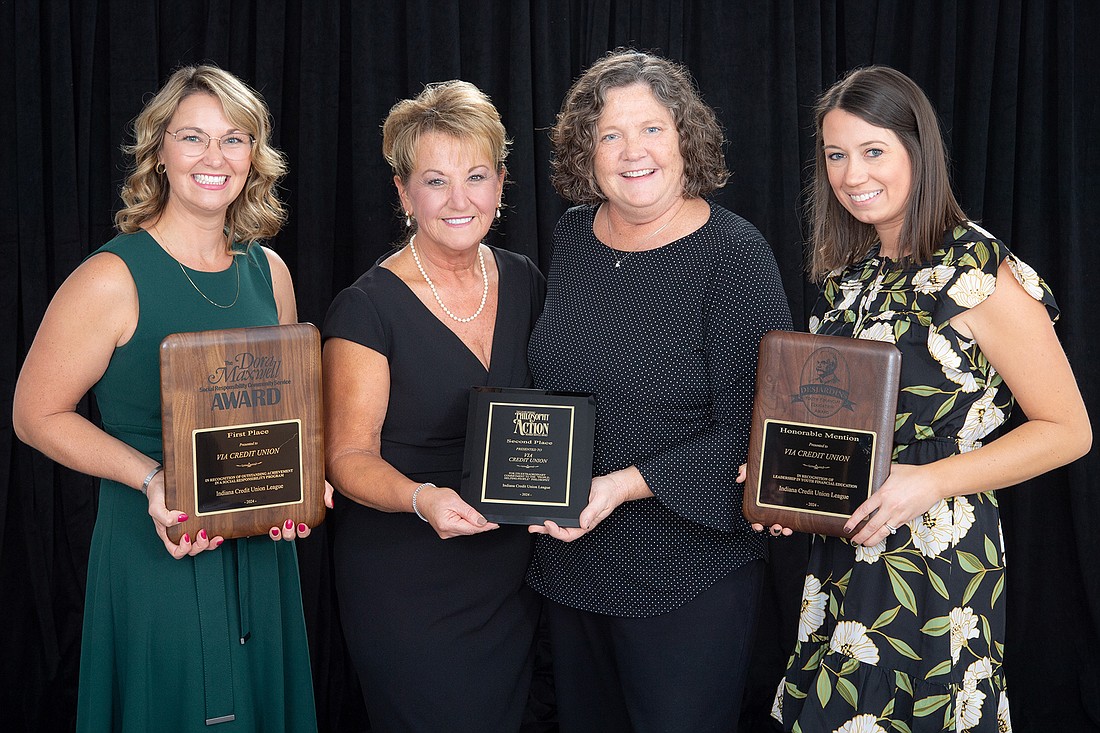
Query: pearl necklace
{"type": "Point", "coordinates": [484, 280]}
{"type": "Point", "coordinates": [624, 254]}
{"type": "Point", "coordinates": [196, 287]}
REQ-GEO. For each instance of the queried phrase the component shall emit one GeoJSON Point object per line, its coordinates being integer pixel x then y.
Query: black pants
{"type": "Point", "coordinates": [683, 670]}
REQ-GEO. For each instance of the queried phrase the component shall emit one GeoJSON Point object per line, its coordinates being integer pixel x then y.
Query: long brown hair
{"type": "Point", "coordinates": [886, 98]}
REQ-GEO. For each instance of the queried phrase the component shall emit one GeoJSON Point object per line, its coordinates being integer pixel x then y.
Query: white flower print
{"type": "Point", "coordinates": [870, 555]}
{"type": "Point", "coordinates": [964, 379]}
{"type": "Point", "coordinates": [932, 530]}
{"type": "Point", "coordinates": [813, 608]}
{"type": "Point", "coordinates": [1026, 276]}
{"type": "Point", "coordinates": [814, 324]}
{"type": "Point", "coordinates": [863, 723]}
{"type": "Point", "coordinates": [777, 703]}
{"type": "Point", "coordinates": [981, 669]}
{"type": "Point", "coordinates": [879, 332]}
{"type": "Point", "coordinates": [968, 708]}
{"type": "Point", "coordinates": [972, 287]}
{"type": "Point", "coordinates": [850, 639]}
{"type": "Point", "coordinates": [940, 349]}
{"type": "Point", "coordinates": [962, 520]}
{"type": "Point", "coordinates": [964, 625]}
{"type": "Point", "coordinates": [932, 279]}
{"type": "Point", "coordinates": [982, 418]}
{"type": "Point", "coordinates": [1004, 722]}
{"type": "Point", "coordinates": [851, 290]}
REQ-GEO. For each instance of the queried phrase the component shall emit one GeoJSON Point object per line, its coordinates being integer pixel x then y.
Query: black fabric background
{"type": "Point", "coordinates": [1015, 83]}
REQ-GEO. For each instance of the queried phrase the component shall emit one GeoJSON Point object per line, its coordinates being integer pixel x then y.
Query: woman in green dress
{"type": "Point", "coordinates": [903, 623]}
{"type": "Point", "coordinates": [177, 637]}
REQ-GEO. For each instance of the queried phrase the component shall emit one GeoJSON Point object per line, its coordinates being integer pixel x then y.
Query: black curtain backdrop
{"type": "Point", "coordinates": [1015, 83]}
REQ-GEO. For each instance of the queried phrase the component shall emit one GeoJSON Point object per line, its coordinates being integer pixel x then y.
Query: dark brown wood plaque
{"type": "Point", "coordinates": [822, 429]}
{"type": "Point", "coordinates": [243, 432]}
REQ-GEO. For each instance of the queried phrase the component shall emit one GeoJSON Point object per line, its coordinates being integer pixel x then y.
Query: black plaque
{"type": "Point", "coordinates": [811, 468]}
{"type": "Point", "coordinates": [529, 455]}
{"type": "Point", "coordinates": [244, 467]}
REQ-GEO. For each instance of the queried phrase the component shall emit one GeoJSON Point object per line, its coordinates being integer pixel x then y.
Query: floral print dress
{"type": "Point", "coordinates": [908, 635]}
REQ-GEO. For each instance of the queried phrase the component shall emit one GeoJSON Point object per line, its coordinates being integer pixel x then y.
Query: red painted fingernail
{"type": "Point", "coordinates": [274, 531]}
{"type": "Point", "coordinates": [181, 518]}
{"type": "Point", "coordinates": [184, 540]}
{"type": "Point", "coordinates": [218, 543]}
{"type": "Point", "coordinates": [202, 534]}
{"type": "Point", "coordinates": [290, 524]}
{"type": "Point", "coordinates": [302, 528]}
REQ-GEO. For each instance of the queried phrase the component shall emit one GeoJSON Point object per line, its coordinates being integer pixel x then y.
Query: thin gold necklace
{"type": "Point", "coordinates": [623, 255]}
{"type": "Point", "coordinates": [236, 265]}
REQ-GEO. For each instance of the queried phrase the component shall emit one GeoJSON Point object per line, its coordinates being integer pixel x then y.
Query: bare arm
{"type": "Point", "coordinates": [283, 286]}
{"type": "Point", "coordinates": [357, 385]}
{"type": "Point", "coordinates": [93, 312]}
{"type": "Point", "coordinates": [1014, 331]}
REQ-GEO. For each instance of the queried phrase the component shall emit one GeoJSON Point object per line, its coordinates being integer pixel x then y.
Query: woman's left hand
{"type": "Point", "coordinates": [905, 495]}
{"type": "Point", "coordinates": [607, 493]}
{"type": "Point", "coordinates": [290, 531]}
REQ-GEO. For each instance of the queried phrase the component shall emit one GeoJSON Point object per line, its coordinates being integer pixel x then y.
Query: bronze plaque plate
{"type": "Point", "coordinates": [822, 429]}
{"type": "Point", "coordinates": [243, 432]}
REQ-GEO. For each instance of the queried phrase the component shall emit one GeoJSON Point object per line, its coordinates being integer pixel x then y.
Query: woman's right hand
{"type": "Point", "coordinates": [449, 515]}
{"type": "Point", "coordinates": [776, 529]}
{"type": "Point", "coordinates": [163, 518]}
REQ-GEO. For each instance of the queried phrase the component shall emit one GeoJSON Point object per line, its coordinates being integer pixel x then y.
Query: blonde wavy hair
{"type": "Point", "coordinates": [257, 213]}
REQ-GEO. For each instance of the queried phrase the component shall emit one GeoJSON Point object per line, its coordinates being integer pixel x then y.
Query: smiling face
{"type": "Point", "coordinates": [870, 173]}
{"type": "Point", "coordinates": [204, 184]}
{"type": "Point", "coordinates": [453, 192]}
{"type": "Point", "coordinates": [637, 162]}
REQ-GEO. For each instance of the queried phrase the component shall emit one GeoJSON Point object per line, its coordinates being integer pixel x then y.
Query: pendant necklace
{"type": "Point", "coordinates": [621, 256]}
{"type": "Point", "coordinates": [183, 269]}
{"type": "Point", "coordinates": [484, 280]}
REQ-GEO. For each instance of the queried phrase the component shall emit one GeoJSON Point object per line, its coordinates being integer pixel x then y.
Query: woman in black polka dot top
{"type": "Point", "coordinates": [656, 303]}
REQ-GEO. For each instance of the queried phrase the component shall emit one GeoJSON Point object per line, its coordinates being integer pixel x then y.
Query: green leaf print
{"type": "Point", "coordinates": [937, 626]}
{"type": "Point", "coordinates": [848, 691]}
{"type": "Point", "coordinates": [923, 432]}
{"type": "Point", "coordinates": [886, 618]}
{"type": "Point", "coordinates": [998, 588]}
{"type": "Point", "coordinates": [900, 563]}
{"type": "Point", "coordinates": [850, 665]}
{"type": "Point", "coordinates": [922, 390]}
{"type": "Point", "coordinates": [900, 419]}
{"type": "Point", "coordinates": [991, 553]}
{"type": "Point", "coordinates": [972, 587]}
{"type": "Point", "coordinates": [942, 668]}
{"type": "Point", "coordinates": [902, 647]}
{"type": "Point", "coordinates": [969, 562]}
{"type": "Point", "coordinates": [902, 591]}
{"type": "Point", "coordinates": [937, 583]}
{"type": "Point", "coordinates": [981, 249]}
{"type": "Point", "coordinates": [900, 726]}
{"type": "Point", "coordinates": [928, 705]}
{"type": "Point", "coordinates": [824, 690]}
{"type": "Point", "coordinates": [946, 407]}
{"type": "Point", "coordinates": [815, 660]}
{"type": "Point", "coordinates": [794, 691]}
{"type": "Point", "coordinates": [902, 681]}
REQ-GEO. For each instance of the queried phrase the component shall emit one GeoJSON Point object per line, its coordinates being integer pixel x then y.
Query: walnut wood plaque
{"type": "Point", "coordinates": [822, 429]}
{"type": "Point", "coordinates": [242, 429]}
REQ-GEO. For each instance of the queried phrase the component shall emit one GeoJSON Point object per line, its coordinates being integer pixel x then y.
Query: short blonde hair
{"type": "Point", "coordinates": [456, 108]}
{"type": "Point", "coordinates": [257, 213]}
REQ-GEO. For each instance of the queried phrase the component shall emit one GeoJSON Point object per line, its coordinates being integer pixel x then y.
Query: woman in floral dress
{"type": "Point", "coordinates": [902, 625]}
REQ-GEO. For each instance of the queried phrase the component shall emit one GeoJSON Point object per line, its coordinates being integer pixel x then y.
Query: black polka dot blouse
{"type": "Point", "coordinates": [667, 341]}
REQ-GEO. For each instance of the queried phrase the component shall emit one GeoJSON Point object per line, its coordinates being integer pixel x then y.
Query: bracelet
{"type": "Point", "coordinates": [148, 479]}
{"type": "Point", "coordinates": [416, 492]}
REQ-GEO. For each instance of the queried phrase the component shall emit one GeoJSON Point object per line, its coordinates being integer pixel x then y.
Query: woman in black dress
{"type": "Point", "coordinates": [435, 610]}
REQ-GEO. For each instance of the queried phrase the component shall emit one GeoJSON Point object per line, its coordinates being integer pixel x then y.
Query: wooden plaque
{"type": "Point", "coordinates": [242, 429]}
{"type": "Point", "coordinates": [822, 429]}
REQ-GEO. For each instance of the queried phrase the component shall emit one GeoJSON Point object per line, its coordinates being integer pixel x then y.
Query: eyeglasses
{"type": "Point", "coordinates": [193, 143]}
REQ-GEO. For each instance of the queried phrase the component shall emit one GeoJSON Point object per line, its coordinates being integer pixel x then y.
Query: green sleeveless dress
{"type": "Point", "coordinates": [218, 639]}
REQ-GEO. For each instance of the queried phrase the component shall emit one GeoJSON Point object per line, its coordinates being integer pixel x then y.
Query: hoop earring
{"type": "Point", "coordinates": [408, 219]}
{"type": "Point", "coordinates": [160, 168]}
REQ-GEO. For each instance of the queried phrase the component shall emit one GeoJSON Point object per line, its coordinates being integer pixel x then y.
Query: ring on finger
{"type": "Point", "coordinates": [893, 530]}
{"type": "Point", "coordinates": [776, 532]}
